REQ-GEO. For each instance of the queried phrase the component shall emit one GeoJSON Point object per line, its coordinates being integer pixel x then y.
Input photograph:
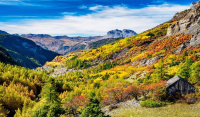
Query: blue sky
{"type": "Point", "coordinates": [85, 17]}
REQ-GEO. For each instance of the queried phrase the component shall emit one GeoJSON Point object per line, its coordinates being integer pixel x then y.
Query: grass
{"type": "Point", "coordinates": [174, 110]}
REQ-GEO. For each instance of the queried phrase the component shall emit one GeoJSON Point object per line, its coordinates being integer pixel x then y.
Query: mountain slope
{"type": "Point", "coordinates": [25, 52]}
{"type": "Point", "coordinates": [144, 58]}
{"type": "Point", "coordinates": [5, 57]}
{"type": "Point", "coordinates": [102, 42]}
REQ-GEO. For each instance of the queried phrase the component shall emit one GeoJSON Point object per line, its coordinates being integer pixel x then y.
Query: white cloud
{"type": "Point", "coordinates": [97, 7]}
{"type": "Point", "coordinates": [69, 13]}
{"type": "Point", "coordinates": [98, 23]}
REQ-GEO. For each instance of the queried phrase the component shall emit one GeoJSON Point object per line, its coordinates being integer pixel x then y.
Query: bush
{"type": "Point", "coordinates": [188, 98]}
{"type": "Point", "coordinates": [151, 103]}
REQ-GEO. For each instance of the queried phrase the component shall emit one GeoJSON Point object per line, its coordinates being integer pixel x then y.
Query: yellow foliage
{"type": "Point", "coordinates": [172, 70]}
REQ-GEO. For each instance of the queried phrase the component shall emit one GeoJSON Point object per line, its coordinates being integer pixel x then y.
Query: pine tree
{"type": "Point", "coordinates": [195, 73]}
{"type": "Point", "coordinates": [49, 93]}
{"type": "Point", "coordinates": [160, 72]}
{"type": "Point", "coordinates": [184, 71]}
{"type": "Point", "coordinates": [93, 110]}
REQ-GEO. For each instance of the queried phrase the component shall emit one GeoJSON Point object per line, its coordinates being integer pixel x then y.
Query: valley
{"type": "Point", "coordinates": [122, 74]}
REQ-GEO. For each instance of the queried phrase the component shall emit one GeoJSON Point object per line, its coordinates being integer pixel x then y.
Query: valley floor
{"type": "Point", "coordinates": [174, 110]}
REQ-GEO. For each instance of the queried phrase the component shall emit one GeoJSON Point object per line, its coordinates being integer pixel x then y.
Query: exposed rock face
{"type": "Point", "coordinates": [128, 33]}
{"type": "Point", "coordinates": [195, 40]}
{"type": "Point", "coordinates": [118, 33]}
{"type": "Point", "coordinates": [192, 5]}
{"type": "Point", "coordinates": [147, 62]}
{"type": "Point", "coordinates": [182, 46]}
{"type": "Point", "coordinates": [192, 18]}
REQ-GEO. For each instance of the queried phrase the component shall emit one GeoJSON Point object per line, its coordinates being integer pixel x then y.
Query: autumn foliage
{"type": "Point", "coordinates": [76, 103]}
{"type": "Point", "coordinates": [154, 91]}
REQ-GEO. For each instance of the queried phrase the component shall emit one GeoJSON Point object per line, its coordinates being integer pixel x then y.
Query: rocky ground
{"type": "Point", "coordinates": [121, 106]}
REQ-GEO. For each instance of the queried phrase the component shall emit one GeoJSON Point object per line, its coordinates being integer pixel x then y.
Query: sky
{"type": "Point", "coordinates": [85, 17]}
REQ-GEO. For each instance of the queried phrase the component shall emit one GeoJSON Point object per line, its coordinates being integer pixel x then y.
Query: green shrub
{"type": "Point", "coordinates": [151, 103]}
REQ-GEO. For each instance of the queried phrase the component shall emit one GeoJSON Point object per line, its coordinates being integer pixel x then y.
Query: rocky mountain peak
{"type": "Point", "coordinates": [119, 33]}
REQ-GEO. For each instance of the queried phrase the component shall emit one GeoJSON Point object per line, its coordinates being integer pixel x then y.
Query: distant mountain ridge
{"type": "Point", "coordinates": [65, 44]}
{"type": "Point", "coordinates": [3, 32]}
{"type": "Point", "coordinates": [24, 51]}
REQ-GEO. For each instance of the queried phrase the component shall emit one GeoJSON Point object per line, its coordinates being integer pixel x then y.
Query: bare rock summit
{"type": "Point", "coordinates": [119, 33]}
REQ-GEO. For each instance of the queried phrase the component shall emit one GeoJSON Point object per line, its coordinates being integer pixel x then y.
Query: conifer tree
{"type": "Point", "coordinates": [49, 93]}
{"type": "Point", "coordinates": [93, 110]}
{"type": "Point", "coordinates": [160, 72]}
{"type": "Point", "coordinates": [184, 71]}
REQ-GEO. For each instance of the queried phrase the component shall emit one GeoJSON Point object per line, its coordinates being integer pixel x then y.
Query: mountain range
{"type": "Point", "coordinates": [65, 44]}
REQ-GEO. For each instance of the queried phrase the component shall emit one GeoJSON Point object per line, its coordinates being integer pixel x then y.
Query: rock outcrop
{"type": "Point", "coordinates": [192, 5]}
{"type": "Point", "coordinates": [146, 62]}
{"type": "Point", "coordinates": [191, 19]}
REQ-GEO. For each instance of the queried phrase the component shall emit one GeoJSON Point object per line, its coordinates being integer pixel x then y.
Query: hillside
{"type": "Point", "coordinates": [5, 57]}
{"type": "Point", "coordinates": [65, 44]}
{"type": "Point", "coordinates": [25, 52]}
{"type": "Point", "coordinates": [102, 42]}
{"type": "Point", "coordinates": [111, 77]}
{"type": "Point", "coordinates": [169, 49]}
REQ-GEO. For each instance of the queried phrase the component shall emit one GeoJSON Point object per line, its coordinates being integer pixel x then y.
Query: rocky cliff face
{"type": "Point", "coordinates": [190, 24]}
{"type": "Point", "coordinates": [118, 33]}
{"type": "Point", "coordinates": [190, 20]}
{"type": "Point", "coordinates": [192, 5]}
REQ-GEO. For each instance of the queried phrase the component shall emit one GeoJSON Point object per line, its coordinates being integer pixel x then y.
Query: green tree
{"type": "Point", "coordinates": [93, 110]}
{"type": "Point", "coordinates": [49, 110]}
{"type": "Point", "coordinates": [184, 71]}
{"type": "Point", "coordinates": [49, 93]}
{"type": "Point", "coordinates": [160, 72]}
{"type": "Point", "coordinates": [195, 73]}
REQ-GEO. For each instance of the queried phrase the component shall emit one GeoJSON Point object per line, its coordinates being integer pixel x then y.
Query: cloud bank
{"type": "Point", "coordinates": [101, 20]}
